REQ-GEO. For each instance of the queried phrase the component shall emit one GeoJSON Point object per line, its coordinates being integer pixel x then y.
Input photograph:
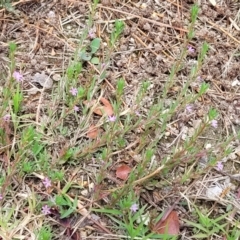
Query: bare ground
{"type": "Point", "coordinates": [47, 34]}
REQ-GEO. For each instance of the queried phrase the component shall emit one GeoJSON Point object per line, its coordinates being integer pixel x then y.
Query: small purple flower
{"type": "Point", "coordinates": [214, 123]}
{"type": "Point", "coordinates": [219, 166]}
{"type": "Point", "coordinates": [76, 108]}
{"type": "Point", "coordinates": [46, 210]}
{"type": "Point", "coordinates": [103, 163]}
{"type": "Point", "coordinates": [93, 160]}
{"type": "Point", "coordinates": [134, 208]}
{"type": "Point", "coordinates": [51, 14]}
{"type": "Point", "coordinates": [47, 182]}
{"type": "Point", "coordinates": [73, 91]}
{"type": "Point", "coordinates": [7, 117]}
{"type": "Point", "coordinates": [189, 108]}
{"type": "Point", "coordinates": [17, 76]}
{"type": "Point", "coordinates": [112, 118]}
{"type": "Point", "coordinates": [92, 33]}
{"type": "Point", "coordinates": [137, 113]}
{"type": "Point", "coordinates": [1, 197]}
{"type": "Point", "coordinates": [103, 65]}
{"type": "Point", "coordinates": [199, 78]}
{"type": "Point", "coordinates": [191, 49]}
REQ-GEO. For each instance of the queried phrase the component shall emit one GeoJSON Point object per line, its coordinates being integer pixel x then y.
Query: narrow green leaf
{"type": "Point", "coordinates": [67, 213]}
{"type": "Point", "coordinates": [111, 211]}
{"type": "Point", "coordinates": [196, 225]}
{"type": "Point", "coordinates": [200, 235]}
{"type": "Point", "coordinates": [66, 187]}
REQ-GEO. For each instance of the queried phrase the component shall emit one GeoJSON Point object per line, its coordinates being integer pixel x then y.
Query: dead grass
{"type": "Point", "coordinates": [47, 34]}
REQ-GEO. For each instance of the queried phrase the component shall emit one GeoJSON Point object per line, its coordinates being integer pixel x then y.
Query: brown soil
{"type": "Point", "coordinates": [47, 33]}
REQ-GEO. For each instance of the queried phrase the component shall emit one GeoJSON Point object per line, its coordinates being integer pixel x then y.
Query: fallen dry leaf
{"type": "Point", "coordinates": [123, 171]}
{"type": "Point", "coordinates": [93, 132]}
{"type": "Point", "coordinates": [43, 79]}
{"type": "Point", "coordinates": [106, 108]}
{"type": "Point", "coordinates": [169, 226]}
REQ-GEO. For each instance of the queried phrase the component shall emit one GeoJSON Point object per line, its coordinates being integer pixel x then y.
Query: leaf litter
{"type": "Point", "coordinates": [145, 51]}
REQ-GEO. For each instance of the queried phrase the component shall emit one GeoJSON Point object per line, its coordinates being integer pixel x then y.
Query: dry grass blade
{"type": "Point", "coordinates": [164, 136]}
